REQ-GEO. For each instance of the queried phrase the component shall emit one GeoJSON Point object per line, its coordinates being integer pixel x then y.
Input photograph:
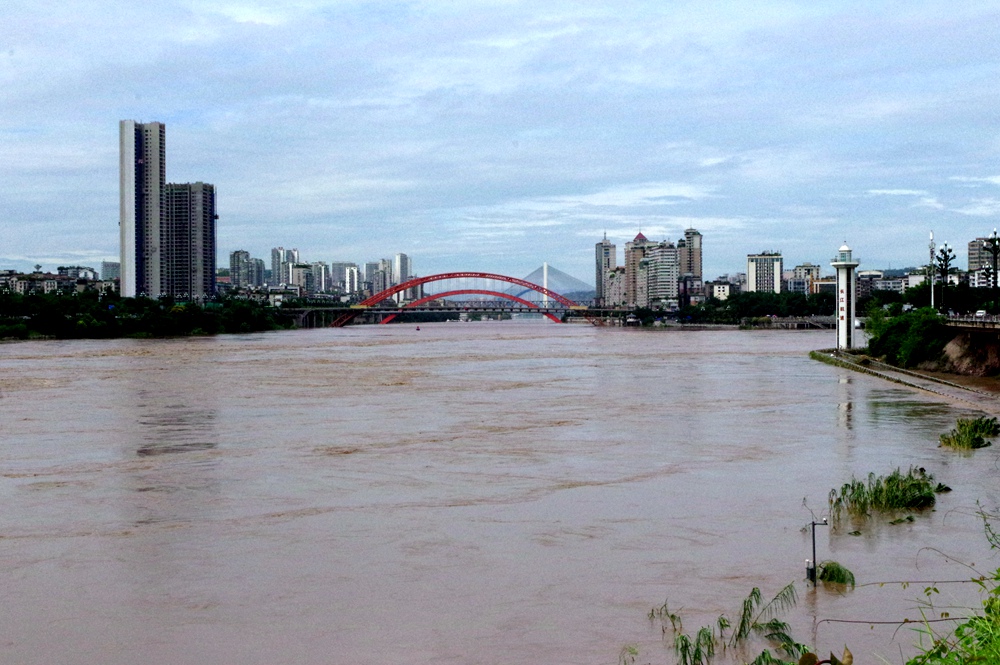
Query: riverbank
{"type": "Point", "coordinates": [982, 392]}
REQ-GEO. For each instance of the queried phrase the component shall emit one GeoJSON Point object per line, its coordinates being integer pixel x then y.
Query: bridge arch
{"type": "Point", "coordinates": [347, 317]}
{"type": "Point", "coordinates": [417, 281]}
{"type": "Point", "coordinates": [463, 292]}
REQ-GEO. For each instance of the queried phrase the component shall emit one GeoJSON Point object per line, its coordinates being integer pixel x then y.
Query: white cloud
{"type": "Point", "coordinates": [897, 192]}
{"type": "Point", "coordinates": [981, 208]}
{"type": "Point", "coordinates": [992, 180]}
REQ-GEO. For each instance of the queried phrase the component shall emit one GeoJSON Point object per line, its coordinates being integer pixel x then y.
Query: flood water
{"type": "Point", "coordinates": [465, 493]}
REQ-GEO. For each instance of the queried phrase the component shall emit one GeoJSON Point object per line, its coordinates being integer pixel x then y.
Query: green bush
{"type": "Point", "coordinates": [910, 339]}
{"type": "Point", "coordinates": [970, 434]}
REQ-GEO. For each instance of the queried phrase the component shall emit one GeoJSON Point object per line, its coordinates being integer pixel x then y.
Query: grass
{"type": "Point", "coordinates": [835, 573]}
{"type": "Point", "coordinates": [970, 434]}
{"type": "Point", "coordinates": [757, 619]}
{"type": "Point", "coordinates": [913, 490]}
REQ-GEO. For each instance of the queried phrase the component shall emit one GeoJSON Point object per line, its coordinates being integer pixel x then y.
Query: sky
{"type": "Point", "coordinates": [496, 135]}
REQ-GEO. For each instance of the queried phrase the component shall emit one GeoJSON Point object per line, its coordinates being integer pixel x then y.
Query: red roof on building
{"type": "Point", "coordinates": [640, 238]}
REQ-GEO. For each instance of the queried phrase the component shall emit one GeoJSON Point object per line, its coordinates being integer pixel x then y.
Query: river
{"type": "Point", "coordinates": [463, 493]}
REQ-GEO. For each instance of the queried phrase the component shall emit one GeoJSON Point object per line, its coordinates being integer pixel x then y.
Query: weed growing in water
{"type": "Point", "coordinates": [835, 573]}
{"type": "Point", "coordinates": [757, 620]}
{"type": "Point", "coordinates": [970, 434]}
{"type": "Point", "coordinates": [913, 490]}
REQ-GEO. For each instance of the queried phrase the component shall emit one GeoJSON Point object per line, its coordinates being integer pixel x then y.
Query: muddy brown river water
{"type": "Point", "coordinates": [466, 493]}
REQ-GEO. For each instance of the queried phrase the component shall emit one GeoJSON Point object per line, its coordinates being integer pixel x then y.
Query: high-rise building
{"type": "Point", "coordinates": [605, 261]}
{"type": "Point", "coordinates": [379, 274]}
{"type": "Point", "coordinates": [281, 262]}
{"type": "Point", "coordinates": [256, 275]}
{"type": "Point", "coordinates": [320, 277]}
{"type": "Point", "coordinates": [188, 241]}
{"type": "Point", "coordinates": [764, 272]}
{"type": "Point", "coordinates": [401, 269]}
{"type": "Point", "coordinates": [635, 251]}
{"type": "Point", "coordinates": [338, 273]}
{"type": "Point", "coordinates": [689, 253]}
{"type": "Point", "coordinates": [614, 295]}
{"type": "Point", "coordinates": [352, 279]}
{"type": "Point", "coordinates": [239, 269]}
{"type": "Point", "coordinates": [301, 275]}
{"type": "Point", "coordinates": [167, 231]}
{"type": "Point", "coordinates": [142, 180]}
{"type": "Point", "coordinates": [979, 256]}
{"type": "Point", "coordinates": [663, 274]}
{"type": "Point", "coordinates": [110, 270]}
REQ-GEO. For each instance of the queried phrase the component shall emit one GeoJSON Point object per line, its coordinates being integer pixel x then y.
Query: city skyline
{"type": "Point", "coordinates": [500, 136]}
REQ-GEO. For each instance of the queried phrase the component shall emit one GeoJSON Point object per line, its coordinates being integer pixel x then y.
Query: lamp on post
{"type": "Point", "coordinates": [811, 564]}
{"type": "Point", "coordinates": [930, 269]}
{"type": "Point", "coordinates": [945, 257]}
{"type": "Point", "coordinates": [992, 245]}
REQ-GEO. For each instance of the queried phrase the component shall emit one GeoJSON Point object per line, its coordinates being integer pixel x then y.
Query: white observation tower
{"type": "Point", "coordinates": [847, 291]}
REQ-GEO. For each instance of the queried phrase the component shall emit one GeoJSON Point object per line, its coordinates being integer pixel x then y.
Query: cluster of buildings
{"type": "Point", "coordinates": [289, 274]}
{"type": "Point", "coordinates": [662, 274]}
{"type": "Point", "coordinates": [66, 280]}
{"type": "Point", "coordinates": [667, 275]}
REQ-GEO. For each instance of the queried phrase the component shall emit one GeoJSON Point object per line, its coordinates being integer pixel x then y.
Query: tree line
{"type": "Point", "coordinates": [104, 315]}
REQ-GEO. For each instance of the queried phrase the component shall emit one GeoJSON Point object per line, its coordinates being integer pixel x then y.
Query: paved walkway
{"type": "Point", "coordinates": [980, 399]}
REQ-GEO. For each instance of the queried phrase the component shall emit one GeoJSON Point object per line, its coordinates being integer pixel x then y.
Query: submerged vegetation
{"type": "Point", "coordinates": [757, 619]}
{"type": "Point", "coordinates": [913, 490]}
{"type": "Point", "coordinates": [970, 434]}
{"type": "Point", "coordinates": [835, 573]}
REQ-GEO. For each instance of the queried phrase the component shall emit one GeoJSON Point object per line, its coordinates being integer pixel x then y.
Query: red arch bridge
{"type": "Point", "coordinates": [381, 307]}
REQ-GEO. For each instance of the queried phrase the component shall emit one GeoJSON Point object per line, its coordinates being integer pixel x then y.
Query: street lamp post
{"type": "Point", "coordinates": [992, 245]}
{"type": "Point", "coordinates": [930, 269]}
{"type": "Point", "coordinates": [811, 564]}
{"type": "Point", "coordinates": [945, 256]}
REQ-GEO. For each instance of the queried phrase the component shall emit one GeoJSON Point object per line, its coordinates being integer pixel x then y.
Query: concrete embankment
{"type": "Point", "coordinates": [982, 399]}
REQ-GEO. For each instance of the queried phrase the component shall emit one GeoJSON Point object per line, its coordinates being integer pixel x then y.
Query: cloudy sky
{"type": "Point", "coordinates": [496, 135]}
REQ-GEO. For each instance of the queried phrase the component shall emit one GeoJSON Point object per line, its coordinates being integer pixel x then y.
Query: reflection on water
{"type": "Point", "coordinates": [484, 493]}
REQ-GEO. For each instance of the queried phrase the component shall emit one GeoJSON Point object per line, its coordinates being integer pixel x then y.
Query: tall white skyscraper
{"type": "Point", "coordinates": [352, 280]}
{"type": "Point", "coordinates": [142, 178]}
{"type": "Point", "coordinates": [401, 269]}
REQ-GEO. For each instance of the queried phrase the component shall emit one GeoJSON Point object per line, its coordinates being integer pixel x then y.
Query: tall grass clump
{"type": "Point", "coordinates": [913, 490]}
{"type": "Point", "coordinates": [835, 573]}
{"type": "Point", "coordinates": [970, 434]}
{"type": "Point", "coordinates": [758, 620]}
